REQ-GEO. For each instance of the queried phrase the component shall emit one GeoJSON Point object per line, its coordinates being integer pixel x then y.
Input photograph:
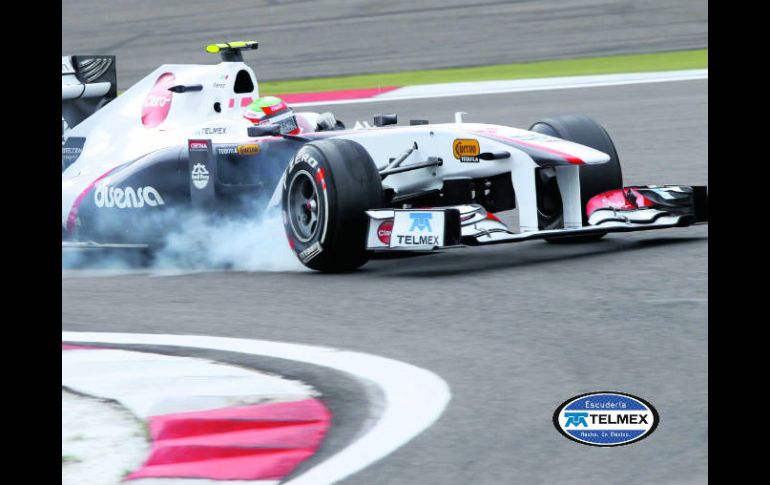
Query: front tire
{"type": "Point", "coordinates": [594, 179]}
{"type": "Point", "coordinates": [328, 186]}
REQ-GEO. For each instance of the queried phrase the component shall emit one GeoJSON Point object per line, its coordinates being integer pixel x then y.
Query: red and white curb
{"type": "Point", "coordinates": [207, 420]}
{"type": "Point", "coordinates": [443, 90]}
{"type": "Point", "coordinates": [409, 399]}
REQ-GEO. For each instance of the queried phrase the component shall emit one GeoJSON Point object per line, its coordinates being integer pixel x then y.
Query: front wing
{"type": "Point", "coordinates": [629, 209]}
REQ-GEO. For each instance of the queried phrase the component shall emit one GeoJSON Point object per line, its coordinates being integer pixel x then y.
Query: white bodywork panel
{"type": "Point", "coordinates": [116, 133]}
{"type": "Point", "coordinates": [568, 178]}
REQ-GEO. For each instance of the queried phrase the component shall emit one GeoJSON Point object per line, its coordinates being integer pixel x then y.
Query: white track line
{"type": "Point", "coordinates": [413, 398]}
{"type": "Point", "coordinates": [151, 384]}
{"type": "Point", "coordinates": [427, 91]}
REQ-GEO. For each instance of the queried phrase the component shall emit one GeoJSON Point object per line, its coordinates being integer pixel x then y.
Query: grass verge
{"type": "Point", "coordinates": [660, 61]}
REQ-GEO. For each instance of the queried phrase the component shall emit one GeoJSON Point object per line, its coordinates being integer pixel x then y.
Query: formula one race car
{"type": "Point", "coordinates": [176, 142]}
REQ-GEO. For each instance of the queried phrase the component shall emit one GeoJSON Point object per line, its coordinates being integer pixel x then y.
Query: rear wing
{"type": "Point", "coordinates": [87, 84]}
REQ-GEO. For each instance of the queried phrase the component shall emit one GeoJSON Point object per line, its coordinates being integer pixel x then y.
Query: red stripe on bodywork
{"type": "Point", "coordinates": [334, 95]}
{"type": "Point", "coordinates": [77, 347]}
{"type": "Point", "coordinates": [566, 156]}
{"type": "Point", "coordinates": [259, 442]}
{"type": "Point", "coordinates": [73, 215]}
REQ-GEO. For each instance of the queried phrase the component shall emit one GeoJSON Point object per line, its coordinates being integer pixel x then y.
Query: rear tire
{"type": "Point", "coordinates": [594, 179]}
{"type": "Point", "coordinates": [329, 185]}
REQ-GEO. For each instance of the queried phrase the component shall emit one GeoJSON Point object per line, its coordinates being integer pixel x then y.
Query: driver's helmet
{"type": "Point", "coordinates": [272, 110]}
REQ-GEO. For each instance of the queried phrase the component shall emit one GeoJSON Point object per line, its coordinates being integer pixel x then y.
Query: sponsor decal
{"type": "Point", "coordinates": [106, 196]}
{"type": "Point", "coordinates": [71, 149]}
{"type": "Point", "coordinates": [251, 149]}
{"type": "Point", "coordinates": [217, 130]}
{"type": "Point", "coordinates": [231, 150]}
{"type": "Point", "coordinates": [606, 418]}
{"type": "Point", "coordinates": [383, 232]}
{"type": "Point", "coordinates": [421, 240]}
{"type": "Point", "coordinates": [158, 101]}
{"type": "Point", "coordinates": [268, 110]}
{"type": "Point", "coordinates": [198, 145]}
{"type": "Point", "coordinates": [466, 150]}
{"type": "Point", "coordinates": [420, 221]}
{"type": "Point", "coordinates": [302, 158]}
{"type": "Point", "coordinates": [417, 229]}
{"type": "Point", "coordinates": [310, 252]}
{"type": "Point", "coordinates": [199, 176]}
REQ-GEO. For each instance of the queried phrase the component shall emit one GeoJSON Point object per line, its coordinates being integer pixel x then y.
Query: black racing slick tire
{"type": "Point", "coordinates": [594, 179]}
{"type": "Point", "coordinates": [328, 186]}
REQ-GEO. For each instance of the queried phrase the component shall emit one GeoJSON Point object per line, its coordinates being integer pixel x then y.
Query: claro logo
{"type": "Point", "coordinates": [384, 231]}
{"type": "Point", "coordinates": [127, 197]}
{"type": "Point", "coordinates": [158, 101]}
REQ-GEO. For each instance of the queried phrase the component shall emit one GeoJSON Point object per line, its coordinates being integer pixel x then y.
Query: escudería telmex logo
{"type": "Point", "coordinates": [606, 418]}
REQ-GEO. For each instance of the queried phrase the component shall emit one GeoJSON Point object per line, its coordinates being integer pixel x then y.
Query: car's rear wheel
{"type": "Point", "coordinates": [328, 186]}
{"type": "Point", "coordinates": [594, 179]}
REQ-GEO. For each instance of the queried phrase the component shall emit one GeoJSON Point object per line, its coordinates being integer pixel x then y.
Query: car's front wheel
{"type": "Point", "coordinates": [594, 179]}
{"type": "Point", "coordinates": [328, 186]}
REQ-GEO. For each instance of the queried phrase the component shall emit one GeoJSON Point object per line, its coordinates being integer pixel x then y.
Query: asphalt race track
{"type": "Point", "coordinates": [311, 38]}
{"type": "Point", "coordinates": [514, 329]}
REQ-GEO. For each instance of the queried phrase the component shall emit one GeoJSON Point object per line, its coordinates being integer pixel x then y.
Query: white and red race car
{"type": "Point", "coordinates": [177, 142]}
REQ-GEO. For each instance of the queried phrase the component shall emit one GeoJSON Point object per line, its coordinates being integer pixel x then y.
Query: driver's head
{"type": "Point", "coordinates": [272, 110]}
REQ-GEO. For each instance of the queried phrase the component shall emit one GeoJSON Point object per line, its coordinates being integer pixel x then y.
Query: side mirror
{"type": "Point", "coordinates": [264, 130]}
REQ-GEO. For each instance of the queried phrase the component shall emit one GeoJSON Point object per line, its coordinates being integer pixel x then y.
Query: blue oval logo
{"type": "Point", "coordinates": [606, 418]}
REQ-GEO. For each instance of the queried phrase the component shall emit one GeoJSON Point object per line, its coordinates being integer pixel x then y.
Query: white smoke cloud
{"type": "Point", "coordinates": [236, 244]}
{"type": "Point", "coordinates": [202, 242]}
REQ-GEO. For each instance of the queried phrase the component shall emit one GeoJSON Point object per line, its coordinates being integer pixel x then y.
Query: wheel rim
{"type": "Point", "coordinates": [304, 206]}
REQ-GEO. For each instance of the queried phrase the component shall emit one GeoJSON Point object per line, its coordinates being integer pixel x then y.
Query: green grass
{"type": "Point", "coordinates": [663, 61]}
